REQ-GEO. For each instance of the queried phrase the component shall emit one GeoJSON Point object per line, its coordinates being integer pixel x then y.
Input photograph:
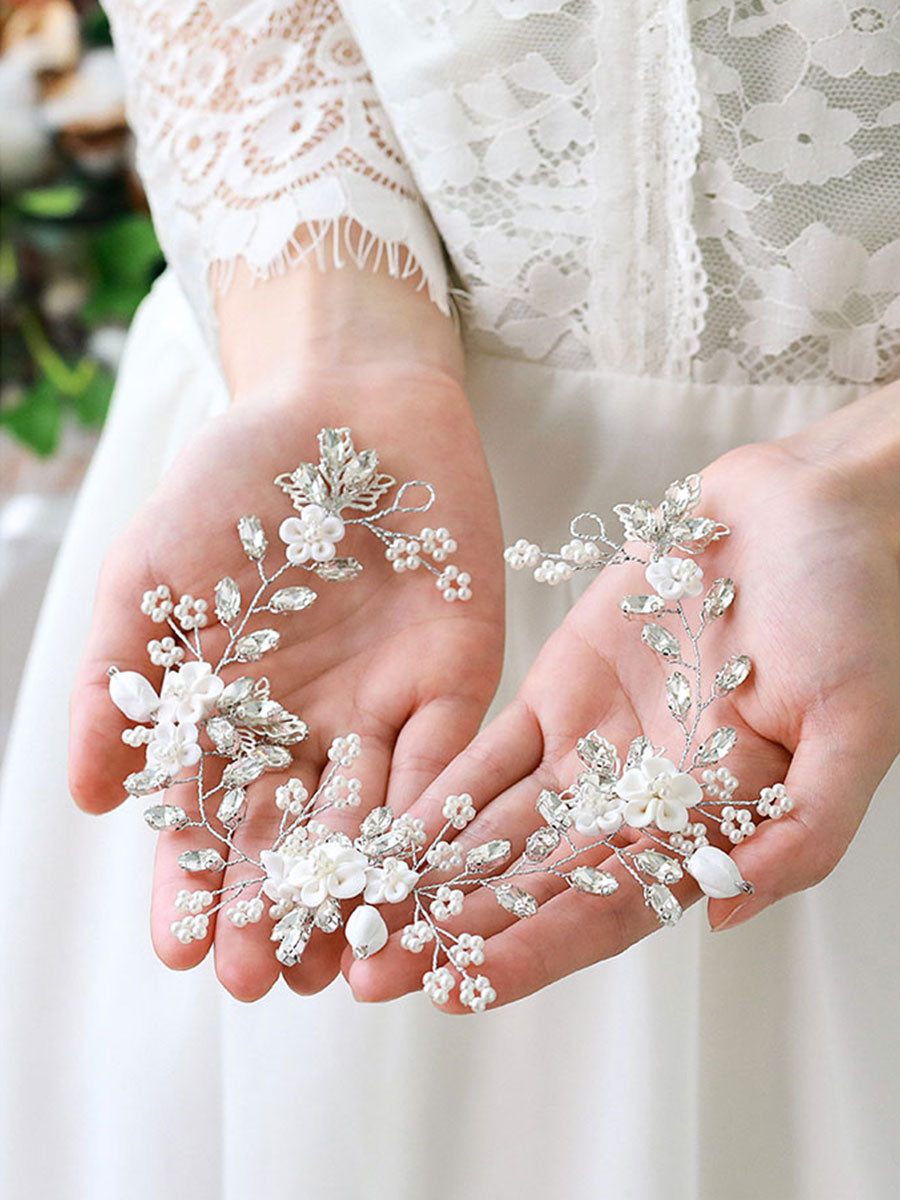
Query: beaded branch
{"type": "Point", "coordinates": [233, 734]}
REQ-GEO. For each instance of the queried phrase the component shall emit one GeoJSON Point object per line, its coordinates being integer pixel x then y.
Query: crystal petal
{"type": "Point", "coordinates": [733, 673]}
{"type": "Point", "coordinates": [658, 866]}
{"type": "Point", "coordinates": [201, 860]}
{"type": "Point", "coordinates": [231, 809]}
{"type": "Point", "coordinates": [223, 735]}
{"type": "Point", "coordinates": [516, 900]}
{"type": "Point", "coordinates": [228, 600]}
{"type": "Point", "coordinates": [593, 881]}
{"type": "Point", "coordinates": [660, 640]}
{"type": "Point", "coordinates": [554, 809]}
{"type": "Point", "coordinates": [718, 598]}
{"type": "Point", "coordinates": [490, 854]}
{"type": "Point", "coordinates": [339, 569]}
{"type": "Point", "coordinates": [663, 902]}
{"type": "Point", "coordinates": [165, 816]}
{"type": "Point", "coordinates": [641, 606]}
{"type": "Point", "coordinates": [598, 753]}
{"type": "Point", "coordinates": [678, 695]}
{"type": "Point", "coordinates": [253, 537]}
{"type": "Point", "coordinates": [245, 770]}
{"type": "Point", "coordinates": [716, 746]}
{"type": "Point", "coordinates": [292, 599]}
{"type": "Point", "coordinates": [541, 843]}
{"type": "Point", "coordinates": [378, 821]}
{"type": "Point", "coordinates": [145, 783]}
{"type": "Point", "coordinates": [253, 646]}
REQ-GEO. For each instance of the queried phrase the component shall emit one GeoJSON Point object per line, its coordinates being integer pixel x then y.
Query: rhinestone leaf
{"type": "Point", "coordinates": [145, 783]}
{"type": "Point", "coordinates": [201, 860]}
{"type": "Point", "coordinates": [733, 673]}
{"type": "Point", "coordinates": [658, 866]}
{"type": "Point", "coordinates": [716, 746]}
{"type": "Point", "coordinates": [661, 641]}
{"type": "Point", "coordinates": [243, 771]}
{"type": "Point", "coordinates": [258, 712]}
{"type": "Point", "coordinates": [541, 843]}
{"type": "Point", "coordinates": [554, 809]}
{"type": "Point", "coordinates": [639, 520]}
{"type": "Point", "coordinates": [516, 900]}
{"type": "Point", "coordinates": [678, 695]}
{"type": "Point", "coordinates": [696, 533]}
{"type": "Point", "coordinates": [593, 881]}
{"type": "Point", "coordinates": [718, 598]}
{"type": "Point", "coordinates": [288, 731]}
{"type": "Point", "coordinates": [339, 569]}
{"type": "Point", "coordinates": [598, 754]}
{"type": "Point", "coordinates": [253, 538]}
{"type": "Point", "coordinates": [165, 816]}
{"type": "Point", "coordinates": [231, 810]}
{"type": "Point", "coordinates": [378, 821]}
{"type": "Point", "coordinates": [292, 599]}
{"type": "Point", "coordinates": [386, 843]}
{"type": "Point", "coordinates": [663, 902]}
{"type": "Point", "coordinates": [636, 752]}
{"type": "Point", "coordinates": [328, 915]}
{"type": "Point", "coordinates": [491, 854]}
{"type": "Point", "coordinates": [223, 735]}
{"type": "Point", "coordinates": [681, 496]}
{"type": "Point", "coordinates": [641, 606]}
{"type": "Point", "coordinates": [273, 758]}
{"type": "Point", "coordinates": [228, 600]}
{"type": "Point", "coordinates": [236, 692]}
{"type": "Point", "coordinates": [293, 932]}
{"type": "Point", "coordinates": [254, 645]}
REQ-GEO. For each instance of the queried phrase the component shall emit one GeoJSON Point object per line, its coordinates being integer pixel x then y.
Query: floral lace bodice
{"type": "Point", "coordinates": [696, 190]}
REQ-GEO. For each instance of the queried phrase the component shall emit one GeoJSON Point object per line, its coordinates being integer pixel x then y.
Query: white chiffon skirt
{"type": "Point", "coordinates": [760, 1064]}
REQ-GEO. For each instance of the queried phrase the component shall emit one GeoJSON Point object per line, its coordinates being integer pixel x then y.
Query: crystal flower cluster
{"type": "Point", "coordinates": [311, 877]}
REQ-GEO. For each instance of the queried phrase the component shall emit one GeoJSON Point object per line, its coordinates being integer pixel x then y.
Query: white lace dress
{"type": "Point", "coordinates": [669, 229]}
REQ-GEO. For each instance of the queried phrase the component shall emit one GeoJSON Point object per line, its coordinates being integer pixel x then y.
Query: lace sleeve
{"type": "Point", "coordinates": [259, 133]}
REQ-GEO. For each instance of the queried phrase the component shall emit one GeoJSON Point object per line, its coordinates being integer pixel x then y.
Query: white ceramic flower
{"type": "Point", "coordinates": [673, 578]}
{"type": "Point", "coordinates": [366, 931]}
{"type": "Point", "coordinates": [173, 746]}
{"type": "Point", "coordinates": [330, 869]}
{"type": "Point", "coordinates": [190, 693]}
{"type": "Point", "coordinates": [595, 810]}
{"type": "Point", "coordinates": [657, 793]}
{"type": "Point", "coordinates": [277, 867]}
{"type": "Point", "coordinates": [133, 694]}
{"type": "Point", "coordinates": [312, 535]}
{"type": "Point", "coordinates": [390, 883]}
{"type": "Point", "coordinates": [800, 137]}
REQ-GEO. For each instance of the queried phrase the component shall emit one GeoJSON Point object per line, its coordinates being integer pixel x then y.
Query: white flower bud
{"type": "Point", "coordinates": [366, 931]}
{"type": "Point", "coordinates": [717, 873]}
{"type": "Point", "coordinates": [133, 695]}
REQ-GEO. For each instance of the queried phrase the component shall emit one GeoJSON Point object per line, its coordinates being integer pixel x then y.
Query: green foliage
{"type": "Point", "coordinates": [37, 418]}
{"type": "Point", "coordinates": [124, 256]}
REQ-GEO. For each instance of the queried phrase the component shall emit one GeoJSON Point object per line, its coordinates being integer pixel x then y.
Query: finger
{"type": "Point", "coordinates": [833, 774]}
{"type": "Point", "coordinates": [98, 758]}
{"type": "Point", "coordinates": [169, 878]}
{"type": "Point", "coordinates": [322, 956]}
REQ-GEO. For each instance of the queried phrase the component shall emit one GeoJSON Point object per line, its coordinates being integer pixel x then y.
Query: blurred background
{"type": "Point", "coordinates": [77, 255]}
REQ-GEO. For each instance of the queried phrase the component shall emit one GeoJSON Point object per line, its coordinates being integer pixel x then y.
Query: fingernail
{"type": "Point", "coordinates": [731, 919]}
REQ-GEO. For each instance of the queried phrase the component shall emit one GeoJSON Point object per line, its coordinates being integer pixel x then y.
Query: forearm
{"type": "Point", "coordinates": [278, 334]}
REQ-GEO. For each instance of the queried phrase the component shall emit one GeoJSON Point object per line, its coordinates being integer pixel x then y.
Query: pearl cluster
{"type": "Point", "coordinates": [194, 926]}
{"type": "Point", "coordinates": [190, 613]}
{"type": "Point", "coordinates": [437, 985]}
{"type": "Point", "coordinates": [454, 584]}
{"type": "Point", "coordinates": [291, 797]}
{"type": "Point", "coordinates": [343, 792]}
{"type": "Point", "coordinates": [581, 552]}
{"type": "Point", "coordinates": [469, 948]}
{"type": "Point", "coordinates": [411, 828]}
{"type": "Point", "coordinates": [406, 554]}
{"type": "Point", "coordinates": [164, 653]}
{"type": "Point", "coordinates": [774, 802]}
{"type": "Point", "coordinates": [459, 810]}
{"type": "Point", "coordinates": [522, 554]}
{"type": "Point", "coordinates": [193, 902]}
{"type": "Point", "coordinates": [157, 603]}
{"type": "Point", "coordinates": [447, 903]}
{"type": "Point", "coordinates": [554, 571]}
{"type": "Point", "coordinates": [477, 993]}
{"type": "Point", "coordinates": [344, 750]}
{"type": "Point", "coordinates": [736, 823]}
{"type": "Point", "coordinates": [444, 856]}
{"type": "Point", "coordinates": [140, 735]}
{"type": "Point", "coordinates": [691, 838]}
{"type": "Point", "coordinates": [415, 937]}
{"type": "Point", "coordinates": [246, 912]}
{"type": "Point", "coordinates": [719, 784]}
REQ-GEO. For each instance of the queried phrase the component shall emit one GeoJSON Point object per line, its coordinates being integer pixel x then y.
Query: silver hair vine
{"type": "Point", "coordinates": [303, 878]}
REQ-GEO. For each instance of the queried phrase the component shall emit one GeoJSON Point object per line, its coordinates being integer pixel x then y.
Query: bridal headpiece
{"type": "Point", "coordinates": [218, 738]}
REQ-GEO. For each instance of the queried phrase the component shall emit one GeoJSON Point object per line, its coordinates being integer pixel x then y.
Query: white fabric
{"type": "Point", "coordinates": [763, 1062]}
{"type": "Point", "coordinates": [552, 145]}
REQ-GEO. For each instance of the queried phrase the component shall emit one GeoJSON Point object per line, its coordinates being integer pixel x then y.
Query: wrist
{"type": "Point", "coordinates": [855, 453]}
{"type": "Point", "coordinates": [317, 319]}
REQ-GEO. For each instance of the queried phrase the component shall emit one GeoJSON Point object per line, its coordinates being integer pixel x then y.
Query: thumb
{"type": "Point", "coordinates": [834, 772]}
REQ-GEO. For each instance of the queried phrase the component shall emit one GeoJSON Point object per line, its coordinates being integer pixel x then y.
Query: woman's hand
{"type": "Point", "coordinates": [382, 655]}
{"type": "Point", "coordinates": [815, 553]}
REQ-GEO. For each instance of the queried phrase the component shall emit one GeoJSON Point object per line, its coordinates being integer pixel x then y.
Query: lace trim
{"type": "Point", "coordinates": [258, 130]}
